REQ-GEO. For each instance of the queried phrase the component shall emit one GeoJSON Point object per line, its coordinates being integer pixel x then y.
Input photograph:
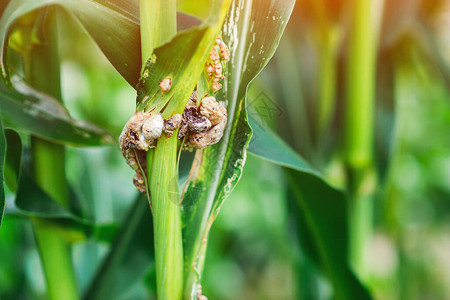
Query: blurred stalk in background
{"type": "Point", "coordinates": [327, 37]}
{"type": "Point", "coordinates": [359, 124]}
{"type": "Point", "coordinates": [42, 71]}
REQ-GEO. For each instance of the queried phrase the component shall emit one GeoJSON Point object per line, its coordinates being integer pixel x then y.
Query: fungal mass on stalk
{"type": "Point", "coordinates": [200, 125]}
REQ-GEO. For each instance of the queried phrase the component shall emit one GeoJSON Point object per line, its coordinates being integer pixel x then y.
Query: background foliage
{"type": "Point", "coordinates": [259, 248]}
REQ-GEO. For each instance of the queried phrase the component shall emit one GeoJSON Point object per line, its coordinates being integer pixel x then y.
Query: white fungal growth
{"type": "Point", "coordinates": [165, 85]}
{"type": "Point", "coordinates": [141, 131]}
{"type": "Point", "coordinates": [137, 137]}
{"type": "Point", "coordinates": [199, 126]}
{"type": "Point", "coordinates": [206, 138]}
{"type": "Point", "coordinates": [199, 293]}
{"type": "Point", "coordinates": [131, 136]}
{"type": "Point", "coordinates": [211, 109]}
{"type": "Point", "coordinates": [153, 127]}
{"type": "Point", "coordinates": [171, 124]}
{"type": "Point", "coordinates": [202, 126]}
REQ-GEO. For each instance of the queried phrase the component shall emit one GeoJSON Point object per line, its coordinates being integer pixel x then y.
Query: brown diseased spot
{"type": "Point", "coordinates": [133, 134]}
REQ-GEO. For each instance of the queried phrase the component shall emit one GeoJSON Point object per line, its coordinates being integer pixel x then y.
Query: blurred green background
{"type": "Point", "coordinates": [254, 250]}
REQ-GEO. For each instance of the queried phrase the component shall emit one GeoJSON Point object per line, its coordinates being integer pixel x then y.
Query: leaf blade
{"type": "Point", "coordinates": [323, 207]}
{"type": "Point", "coordinates": [42, 115]}
{"type": "Point", "coordinates": [13, 159]}
{"type": "Point", "coordinates": [182, 60]}
{"type": "Point", "coordinates": [2, 165]}
{"type": "Point", "coordinates": [131, 254]}
{"type": "Point", "coordinates": [220, 166]}
{"type": "Point", "coordinates": [112, 24]}
{"type": "Point", "coordinates": [109, 23]}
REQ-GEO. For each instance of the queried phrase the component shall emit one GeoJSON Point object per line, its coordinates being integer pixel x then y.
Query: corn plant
{"type": "Point", "coordinates": [145, 54]}
{"type": "Point", "coordinates": [192, 77]}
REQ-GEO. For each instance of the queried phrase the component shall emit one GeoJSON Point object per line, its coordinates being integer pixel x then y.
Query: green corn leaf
{"type": "Point", "coordinates": [43, 116]}
{"type": "Point", "coordinates": [3, 5]}
{"type": "Point", "coordinates": [75, 223]}
{"type": "Point", "coordinates": [385, 113]}
{"type": "Point", "coordinates": [182, 59]}
{"type": "Point", "coordinates": [2, 165]}
{"type": "Point", "coordinates": [112, 24]}
{"type": "Point", "coordinates": [323, 208]}
{"type": "Point", "coordinates": [13, 159]}
{"type": "Point", "coordinates": [252, 31]}
{"type": "Point", "coordinates": [131, 255]}
{"type": "Point", "coordinates": [32, 201]}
